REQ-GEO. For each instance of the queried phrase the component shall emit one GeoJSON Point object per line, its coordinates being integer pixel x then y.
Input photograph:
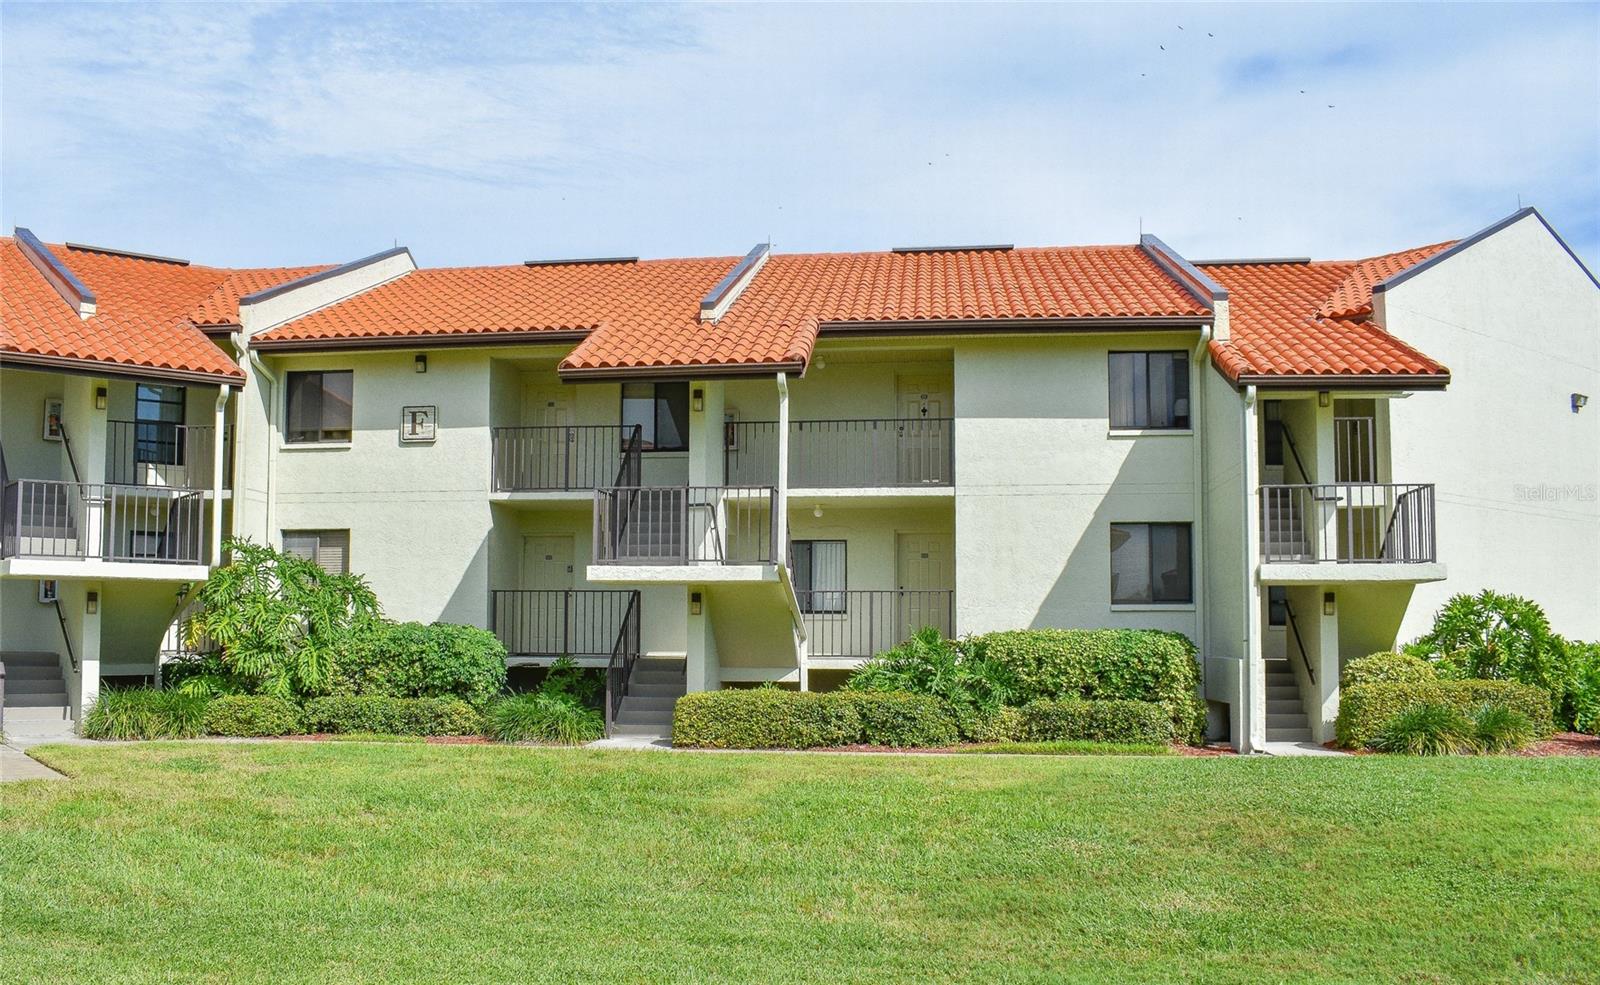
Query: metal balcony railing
{"type": "Point", "coordinates": [67, 520]}
{"type": "Point", "coordinates": [577, 457]}
{"type": "Point", "coordinates": [864, 623]}
{"type": "Point", "coordinates": [178, 456]}
{"type": "Point", "coordinates": [1348, 522]}
{"type": "Point", "coordinates": [559, 623]}
{"type": "Point", "coordinates": [685, 525]}
{"type": "Point", "coordinates": [844, 454]}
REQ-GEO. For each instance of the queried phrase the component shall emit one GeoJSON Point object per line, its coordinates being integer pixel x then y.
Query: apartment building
{"type": "Point", "coordinates": [769, 467]}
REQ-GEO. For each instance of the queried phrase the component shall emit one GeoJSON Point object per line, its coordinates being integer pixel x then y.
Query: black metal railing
{"type": "Point", "coordinates": [49, 519]}
{"type": "Point", "coordinates": [533, 459]}
{"type": "Point", "coordinates": [863, 623]}
{"type": "Point", "coordinates": [844, 454]}
{"type": "Point", "coordinates": [153, 453]}
{"type": "Point", "coordinates": [624, 654]}
{"type": "Point", "coordinates": [685, 525]}
{"type": "Point", "coordinates": [1348, 522]}
{"type": "Point", "coordinates": [558, 623]}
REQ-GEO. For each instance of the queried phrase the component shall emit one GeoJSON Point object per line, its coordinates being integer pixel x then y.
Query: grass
{"type": "Point", "coordinates": [354, 862]}
{"type": "Point", "coordinates": [1066, 747]}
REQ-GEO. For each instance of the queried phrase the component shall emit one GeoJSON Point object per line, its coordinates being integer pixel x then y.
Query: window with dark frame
{"type": "Point", "coordinates": [1277, 605]}
{"type": "Point", "coordinates": [1150, 564]}
{"type": "Point", "coordinates": [329, 548]}
{"type": "Point", "coordinates": [157, 412]}
{"type": "Point", "coordinates": [321, 405]}
{"type": "Point", "coordinates": [818, 567]}
{"type": "Point", "coordinates": [1149, 390]}
{"type": "Point", "coordinates": [661, 410]}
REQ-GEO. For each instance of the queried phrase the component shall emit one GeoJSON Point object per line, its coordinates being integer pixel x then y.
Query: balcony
{"type": "Point", "coordinates": [1350, 524]}
{"type": "Point", "coordinates": [176, 456]}
{"type": "Point", "coordinates": [46, 522]}
{"type": "Point", "coordinates": [705, 526]}
{"type": "Point", "coordinates": [850, 626]}
{"type": "Point", "coordinates": [545, 624]}
{"type": "Point", "coordinates": [845, 454]}
{"type": "Point", "coordinates": [574, 458]}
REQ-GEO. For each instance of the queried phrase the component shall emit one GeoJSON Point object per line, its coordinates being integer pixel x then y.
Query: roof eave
{"type": "Point", "coordinates": [96, 367]}
{"type": "Point", "coordinates": [1011, 326]}
{"type": "Point", "coordinates": [1343, 381]}
{"type": "Point", "coordinates": [533, 337]}
{"type": "Point", "coordinates": [698, 371]}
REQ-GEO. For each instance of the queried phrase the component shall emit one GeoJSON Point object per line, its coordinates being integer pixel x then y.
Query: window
{"type": "Point", "coordinates": [329, 548]}
{"type": "Point", "coordinates": [320, 406]}
{"type": "Point", "coordinates": [145, 544]}
{"type": "Point", "coordinates": [661, 410]}
{"type": "Point", "coordinates": [818, 567]}
{"type": "Point", "coordinates": [1150, 563]}
{"type": "Point", "coordinates": [1277, 605]}
{"type": "Point", "coordinates": [1150, 390]}
{"type": "Point", "coordinates": [157, 412]}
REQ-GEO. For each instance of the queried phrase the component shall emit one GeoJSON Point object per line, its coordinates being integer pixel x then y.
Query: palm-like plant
{"type": "Point", "coordinates": [279, 620]}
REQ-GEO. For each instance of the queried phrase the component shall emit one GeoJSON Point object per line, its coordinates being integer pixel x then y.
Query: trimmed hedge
{"type": "Point", "coordinates": [1073, 719]}
{"type": "Point", "coordinates": [1000, 725]}
{"type": "Point", "coordinates": [1387, 668]}
{"type": "Point", "coordinates": [412, 660]}
{"type": "Point", "coordinates": [764, 718]}
{"type": "Point", "coordinates": [393, 716]}
{"type": "Point", "coordinates": [1365, 709]}
{"type": "Point", "coordinates": [1102, 664]}
{"type": "Point", "coordinates": [890, 718]}
{"type": "Point", "coordinates": [252, 715]}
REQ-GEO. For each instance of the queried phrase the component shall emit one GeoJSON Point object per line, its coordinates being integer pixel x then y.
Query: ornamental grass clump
{"type": "Point", "coordinates": [1428, 730]}
{"type": "Point", "coordinates": [1502, 729]}
{"type": "Point", "coordinates": [145, 713]}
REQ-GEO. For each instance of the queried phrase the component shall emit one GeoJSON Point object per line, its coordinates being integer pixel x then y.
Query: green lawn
{"type": "Point", "coordinates": [350, 862]}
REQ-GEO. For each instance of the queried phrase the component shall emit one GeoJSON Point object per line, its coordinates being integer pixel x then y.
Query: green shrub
{"type": "Point", "coordinates": [1387, 668]}
{"type": "Point", "coordinates": [1365, 709]}
{"type": "Point", "coordinates": [544, 717]}
{"type": "Point", "coordinates": [1582, 710]}
{"type": "Point", "coordinates": [906, 720]}
{"type": "Point", "coordinates": [144, 713]}
{"type": "Point", "coordinates": [1073, 719]}
{"type": "Point", "coordinates": [1501, 729]}
{"type": "Point", "coordinates": [764, 718]}
{"type": "Point", "coordinates": [252, 715]}
{"type": "Point", "coordinates": [392, 716]}
{"type": "Point", "coordinates": [1000, 725]}
{"type": "Point", "coordinates": [1428, 729]}
{"type": "Point", "coordinates": [412, 660]}
{"type": "Point", "coordinates": [1098, 664]}
{"type": "Point", "coordinates": [931, 665]}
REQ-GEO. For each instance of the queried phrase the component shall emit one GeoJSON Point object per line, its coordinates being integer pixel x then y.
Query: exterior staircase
{"type": "Point", "coordinates": [35, 696]}
{"type": "Point", "coordinates": [1286, 714]}
{"type": "Point", "coordinates": [654, 686]}
{"type": "Point", "coordinates": [1283, 533]}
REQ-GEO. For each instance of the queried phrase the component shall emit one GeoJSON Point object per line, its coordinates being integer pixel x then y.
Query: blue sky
{"type": "Point", "coordinates": [265, 134]}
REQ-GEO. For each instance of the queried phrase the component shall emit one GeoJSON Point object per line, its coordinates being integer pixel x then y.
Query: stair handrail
{"type": "Point", "coordinates": [1401, 504]}
{"type": "Point", "coordinates": [66, 443]}
{"type": "Point", "coordinates": [624, 654]}
{"type": "Point", "coordinates": [2, 697]}
{"type": "Point", "coordinates": [72, 658]}
{"type": "Point", "coordinates": [1299, 645]}
{"type": "Point", "coordinates": [1288, 439]}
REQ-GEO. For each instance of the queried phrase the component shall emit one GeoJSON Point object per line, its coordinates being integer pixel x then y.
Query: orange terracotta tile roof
{"type": "Point", "coordinates": [144, 315]}
{"type": "Point", "coordinates": [647, 301]}
{"type": "Point", "coordinates": [221, 306]}
{"type": "Point", "coordinates": [1314, 319]}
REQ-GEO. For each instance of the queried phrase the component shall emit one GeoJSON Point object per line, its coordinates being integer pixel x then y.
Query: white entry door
{"type": "Point", "coordinates": [543, 454]}
{"type": "Point", "coordinates": [924, 451]}
{"type": "Point", "coordinates": [924, 573]}
{"type": "Point", "coordinates": [547, 569]}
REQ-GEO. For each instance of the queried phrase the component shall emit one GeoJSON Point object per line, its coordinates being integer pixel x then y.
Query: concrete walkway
{"type": "Point", "coordinates": [632, 742]}
{"type": "Point", "coordinates": [1300, 749]}
{"type": "Point", "coordinates": [18, 765]}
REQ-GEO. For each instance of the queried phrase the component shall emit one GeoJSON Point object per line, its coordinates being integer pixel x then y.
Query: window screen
{"type": "Point", "coordinates": [157, 412]}
{"type": "Point", "coordinates": [321, 406]}
{"type": "Point", "coordinates": [1150, 563]}
{"type": "Point", "coordinates": [819, 575]}
{"type": "Point", "coordinates": [329, 548]}
{"type": "Point", "coordinates": [1149, 390]}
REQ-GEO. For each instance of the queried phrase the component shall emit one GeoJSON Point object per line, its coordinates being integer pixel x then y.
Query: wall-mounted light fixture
{"type": "Point", "coordinates": [1578, 400]}
{"type": "Point", "coordinates": [422, 362]}
{"type": "Point", "coordinates": [1324, 398]}
{"type": "Point", "coordinates": [100, 398]}
{"type": "Point", "coordinates": [816, 511]}
{"type": "Point", "coordinates": [91, 603]}
{"type": "Point", "coordinates": [699, 400]}
{"type": "Point", "coordinates": [1327, 603]}
{"type": "Point", "coordinates": [695, 605]}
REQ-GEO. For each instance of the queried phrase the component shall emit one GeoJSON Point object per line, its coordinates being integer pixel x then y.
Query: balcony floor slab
{"type": "Point", "coordinates": [98, 569]}
{"type": "Point", "coordinates": [680, 574]}
{"type": "Point", "coordinates": [1347, 572]}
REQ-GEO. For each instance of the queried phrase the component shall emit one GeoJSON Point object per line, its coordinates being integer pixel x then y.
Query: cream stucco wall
{"type": "Point", "coordinates": [1517, 321]}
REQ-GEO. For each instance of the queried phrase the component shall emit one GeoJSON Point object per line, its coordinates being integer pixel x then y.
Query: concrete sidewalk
{"type": "Point", "coordinates": [18, 765]}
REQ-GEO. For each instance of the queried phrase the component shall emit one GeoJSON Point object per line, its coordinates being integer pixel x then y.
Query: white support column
{"type": "Point", "coordinates": [87, 685]}
{"type": "Point", "coordinates": [85, 427]}
{"type": "Point", "coordinates": [780, 528]}
{"type": "Point", "coordinates": [1327, 666]}
{"type": "Point", "coordinates": [1254, 684]}
{"type": "Point", "coordinates": [1327, 469]}
{"type": "Point", "coordinates": [219, 461]}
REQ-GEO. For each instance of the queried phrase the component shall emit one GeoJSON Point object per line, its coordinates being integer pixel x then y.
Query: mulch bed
{"type": "Point", "coordinates": [1564, 744]}
{"type": "Point", "coordinates": [432, 740]}
{"type": "Point", "coordinates": [1214, 749]}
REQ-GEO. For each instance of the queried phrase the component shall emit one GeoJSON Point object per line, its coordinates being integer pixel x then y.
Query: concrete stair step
{"type": "Point", "coordinates": [1283, 706]}
{"type": "Point", "coordinates": [1293, 720]}
{"type": "Point", "coordinates": [1288, 734]}
{"type": "Point", "coordinates": [32, 672]}
{"type": "Point", "coordinates": [1282, 680]}
{"type": "Point", "coordinates": [33, 685]}
{"type": "Point", "coordinates": [652, 731]}
{"type": "Point", "coordinates": [29, 658]}
{"type": "Point", "coordinates": [673, 691]}
{"type": "Point", "coordinates": [36, 713]}
{"type": "Point", "coordinates": [660, 677]}
{"type": "Point", "coordinates": [1275, 693]}
{"type": "Point", "coordinates": [53, 698]}
{"type": "Point", "coordinates": [630, 717]}
{"type": "Point", "coordinates": [660, 705]}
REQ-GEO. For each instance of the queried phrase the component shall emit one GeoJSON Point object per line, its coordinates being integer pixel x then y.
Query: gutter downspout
{"type": "Point", "coordinates": [260, 367]}
{"type": "Point", "coordinates": [1198, 423]}
{"type": "Point", "coordinates": [219, 459]}
{"type": "Point", "coordinates": [1252, 600]}
{"type": "Point", "coordinates": [780, 530]}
